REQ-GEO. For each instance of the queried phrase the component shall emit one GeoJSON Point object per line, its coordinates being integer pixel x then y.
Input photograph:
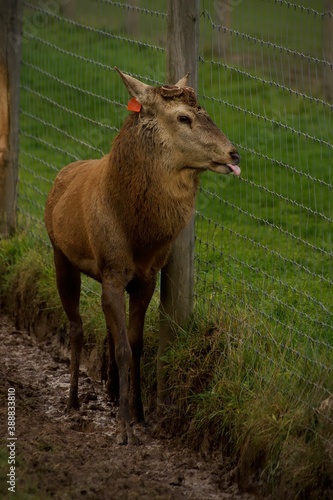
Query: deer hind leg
{"type": "Point", "coordinates": [140, 292]}
{"type": "Point", "coordinates": [69, 286]}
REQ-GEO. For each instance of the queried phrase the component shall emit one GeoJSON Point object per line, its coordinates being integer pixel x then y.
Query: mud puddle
{"type": "Point", "coordinates": [75, 456]}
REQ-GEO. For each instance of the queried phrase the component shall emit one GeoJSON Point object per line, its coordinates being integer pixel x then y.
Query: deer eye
{"type": "Point", "coordinates": [184, 119]}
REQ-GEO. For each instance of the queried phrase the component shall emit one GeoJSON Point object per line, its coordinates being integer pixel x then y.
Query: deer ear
{"type": "Point", "coordinates": [135, 87]}
{"type": "Point", "coordinates": [183, 82]}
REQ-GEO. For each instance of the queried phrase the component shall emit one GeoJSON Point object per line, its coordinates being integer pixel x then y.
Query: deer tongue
{"type": "Point", "coordinates": [234, 169]}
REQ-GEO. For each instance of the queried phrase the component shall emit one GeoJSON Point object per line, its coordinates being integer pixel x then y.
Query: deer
{"type": "Point", "coordinates": [115, 219]}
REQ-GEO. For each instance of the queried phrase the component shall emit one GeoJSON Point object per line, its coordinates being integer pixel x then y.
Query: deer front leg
{"type": "Point", "coordinates": [113, 302]}
{"type": "Point", "coordinates": [140, 292]}
{"type": "Point", "coordinates": [112, 378]}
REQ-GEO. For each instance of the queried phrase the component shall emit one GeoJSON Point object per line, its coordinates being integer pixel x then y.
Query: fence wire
{"type": "Point", "coordinates": [264, 241]}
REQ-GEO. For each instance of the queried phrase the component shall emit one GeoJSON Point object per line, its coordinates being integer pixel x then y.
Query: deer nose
{"type": "Point", "coordinates": [235, 157]}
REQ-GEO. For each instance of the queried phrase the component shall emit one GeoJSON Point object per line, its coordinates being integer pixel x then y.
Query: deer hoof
{"type": "Point", "coordinates": [73, 404]}
{"type": "Point", "coordinates": [125, 435]}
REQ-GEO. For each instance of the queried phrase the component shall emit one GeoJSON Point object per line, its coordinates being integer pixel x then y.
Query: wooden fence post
{"type": "Point", "coordinates": [328, 48]}
{"type": "Point", "coordinates": [177, 278]}
{"type": "Point", "coordinates": [10, 57]}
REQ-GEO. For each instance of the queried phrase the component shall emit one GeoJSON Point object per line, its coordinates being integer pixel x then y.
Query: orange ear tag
{"type": "Point", "coordinates": [134, 105]}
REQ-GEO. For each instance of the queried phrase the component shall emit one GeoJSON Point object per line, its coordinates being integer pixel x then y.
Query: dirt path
{"type": "Point", "coordinates": [63, 456]}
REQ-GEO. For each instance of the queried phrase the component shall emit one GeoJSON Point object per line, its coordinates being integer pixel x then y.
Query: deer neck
{"type": "Point", "coordinates": [152, 196]}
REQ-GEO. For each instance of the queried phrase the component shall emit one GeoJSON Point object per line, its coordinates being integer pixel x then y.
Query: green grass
{"type": "Point", "coordinates": [254, 365]}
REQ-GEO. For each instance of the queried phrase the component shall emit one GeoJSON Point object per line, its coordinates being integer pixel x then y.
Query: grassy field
{"type": "Point", "coordinates": [254, 365]}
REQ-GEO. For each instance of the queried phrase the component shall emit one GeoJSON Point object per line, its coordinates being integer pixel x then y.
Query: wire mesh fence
{"type": "Point", "coordinates": [263, 242]}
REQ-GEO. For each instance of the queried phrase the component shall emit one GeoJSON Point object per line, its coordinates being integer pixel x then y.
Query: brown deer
{"type": "Point", "coordinates": [115, 220]}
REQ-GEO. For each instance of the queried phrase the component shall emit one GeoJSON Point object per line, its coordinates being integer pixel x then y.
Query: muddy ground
{"type": "Point", "coordinates": [69, 456]}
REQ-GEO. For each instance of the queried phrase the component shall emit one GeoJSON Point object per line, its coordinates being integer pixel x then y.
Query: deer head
{"type": "Point", "coordinates": [189, 137]}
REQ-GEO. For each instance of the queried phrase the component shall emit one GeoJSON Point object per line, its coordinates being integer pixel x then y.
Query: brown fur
{"type": "Point", "coordinates": [115, 219]}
